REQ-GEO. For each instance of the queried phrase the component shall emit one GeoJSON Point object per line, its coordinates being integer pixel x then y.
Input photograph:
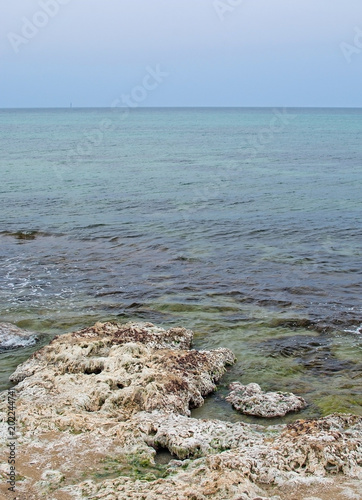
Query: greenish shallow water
{"type": "Point", "coordinates": [203, 218]}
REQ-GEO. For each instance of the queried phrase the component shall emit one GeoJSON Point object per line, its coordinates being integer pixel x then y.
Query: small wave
{"type": "Point", "coordinates": [357, 330]}
{"type": "Point", "coordinates": [12, 337]}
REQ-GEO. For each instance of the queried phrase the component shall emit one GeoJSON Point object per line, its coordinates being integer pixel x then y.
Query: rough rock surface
{"type": "Point", "coordinates": [116, 371]}
{"type": "Point", "coordinates": [251, 400]}
{"type": "Point", "coordinates": [98, 410]}
{"type": "Point", "coordinates": [12, 337]}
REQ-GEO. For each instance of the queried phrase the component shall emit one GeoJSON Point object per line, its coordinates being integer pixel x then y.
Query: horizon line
{"type": "Point", "coordinates": [179, 107]}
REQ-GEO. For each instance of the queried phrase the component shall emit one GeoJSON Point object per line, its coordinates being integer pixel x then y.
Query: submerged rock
{"type": "Point", "coordinates": [251, 400]}
{"type": "Point", "coordinates": [313, 352]}
{"type": "Point", "coordinates": [296, 345]}
{"type": "Point", "coordinates": [12, 337]}
{"type": "Point", "coordinates": [95, 407]}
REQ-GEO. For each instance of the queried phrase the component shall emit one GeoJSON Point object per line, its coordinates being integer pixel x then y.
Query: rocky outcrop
{"type": "Point", "coordinates": [251, 400]}
{"type": "Point", "coordinates": [98, 411]}
{"type": "Point", "coordinates": [12, 337]}
{"type": "Point", "coordinates": [118, 370]}
{"type": "Point", "coordinates": [240, 461]}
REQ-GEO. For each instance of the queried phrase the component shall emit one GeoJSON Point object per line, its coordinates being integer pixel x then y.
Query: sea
{"type": "Point", "coordinates": [242, 224]}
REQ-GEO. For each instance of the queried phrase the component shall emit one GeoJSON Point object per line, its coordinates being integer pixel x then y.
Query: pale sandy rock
{"type": "Point", "coordinates": [114, 371]}
{"type": "Point", "coordinates": [319, 447]}
{"type": "Point", "coordinates": [96, 408]}
{"type": "Point", "coordinates": [317, 456]}
{"type": "Point", "coordinates": [251, 400]}
{"type": "Point", "coordinates": [188, 437]}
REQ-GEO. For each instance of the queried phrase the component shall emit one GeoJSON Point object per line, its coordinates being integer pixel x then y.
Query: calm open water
{"type": "Point", "coordinates": [241, 224]}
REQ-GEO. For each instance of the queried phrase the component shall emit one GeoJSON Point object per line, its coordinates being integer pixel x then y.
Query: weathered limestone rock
{"type": "Point", "coordinates": [97, 408]}
{"type": "Point", "coordinates": [12, 337]}
{"type": "Point", "coordinates": [114, 371]}
{"type": "Point", "coordinates": [251, 400]}
{"type": "Point", "coordinates": [243, 461]}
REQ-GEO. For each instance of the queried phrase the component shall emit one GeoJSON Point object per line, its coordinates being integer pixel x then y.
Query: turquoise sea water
{"type": "Point", "coordinates": [241, 224]}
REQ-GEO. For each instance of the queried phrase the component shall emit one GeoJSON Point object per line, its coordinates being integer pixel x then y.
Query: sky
{"type": "Point", "coordinates": [104, 53]}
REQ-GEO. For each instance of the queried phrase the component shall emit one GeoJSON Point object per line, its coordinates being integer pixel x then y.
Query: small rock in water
{"type": "Point", "coordinates": [251, 400]}
{"type": "Point", "coordinates": [12, 337]}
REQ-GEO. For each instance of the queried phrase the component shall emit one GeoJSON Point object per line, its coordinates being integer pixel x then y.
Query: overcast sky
{"type": "Point", "coordinates": [204, 52]}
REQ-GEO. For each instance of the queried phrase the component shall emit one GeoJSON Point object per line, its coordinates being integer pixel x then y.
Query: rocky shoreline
{"type": "Point", "coordinates": [105, 413]}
